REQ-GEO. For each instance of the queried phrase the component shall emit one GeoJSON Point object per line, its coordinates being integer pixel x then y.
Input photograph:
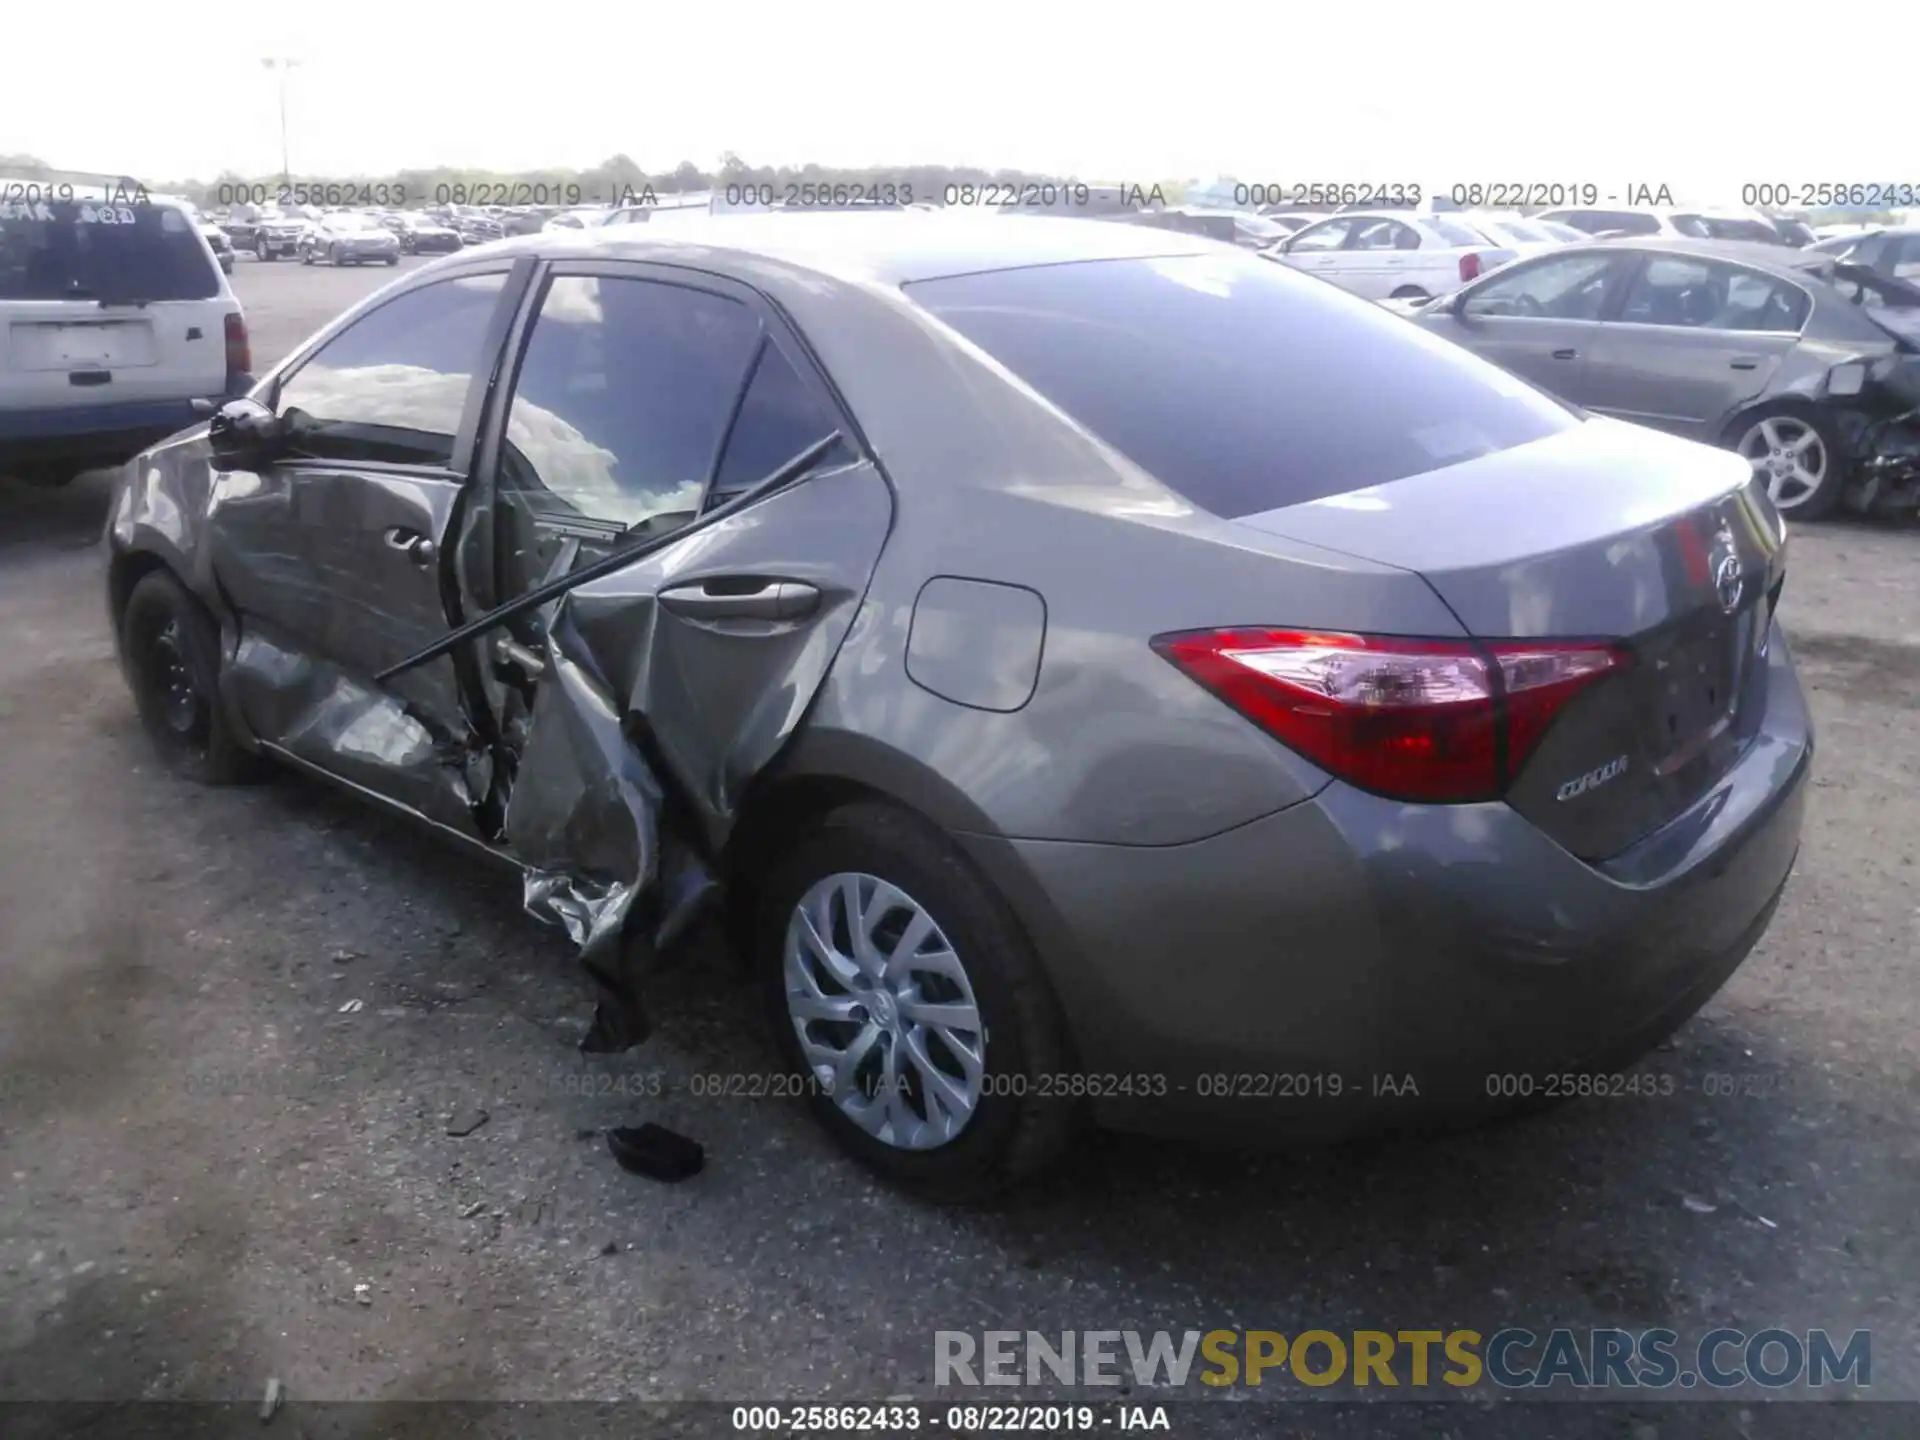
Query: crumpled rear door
{"type": "Point", "coordinates": [634, 709]}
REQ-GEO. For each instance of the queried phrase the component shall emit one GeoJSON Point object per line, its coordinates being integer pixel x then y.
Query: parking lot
{"type": "Point", "coordinates": [220, 1168]}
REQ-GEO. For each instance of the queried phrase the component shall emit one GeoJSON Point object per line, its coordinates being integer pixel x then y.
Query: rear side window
{"type": "Point", "coordinates": [69, 250]}
{"type": "Point", "coordinates": [1241, 384]}
{"type": "Point", "coordinates": [1709, 295]}
{"type": "Point", "coordinates": [1455, 233]}
{"type": "Point", "coordinates": [779, 417]}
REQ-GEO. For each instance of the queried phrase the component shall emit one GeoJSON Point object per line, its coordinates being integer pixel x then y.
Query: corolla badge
{"type": "Point", "coordinates": [1581, 784]}
{"type": "Point", "coordinates": [1729, 578]}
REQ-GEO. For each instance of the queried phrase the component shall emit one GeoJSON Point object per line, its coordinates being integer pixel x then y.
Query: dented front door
{"type": "Point", "coordinates": [334, 557]}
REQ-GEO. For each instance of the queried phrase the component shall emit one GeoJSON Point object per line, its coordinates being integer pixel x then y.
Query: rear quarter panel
{"type": "Point", "coordinates": [997, 485]}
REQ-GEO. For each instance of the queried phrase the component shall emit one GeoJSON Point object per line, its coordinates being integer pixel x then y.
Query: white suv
{"type": "Point", "coordinates": [114, 319]}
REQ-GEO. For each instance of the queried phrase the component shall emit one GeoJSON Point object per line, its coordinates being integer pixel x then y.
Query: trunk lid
{"type": "Point", "coordinates": [1605, 531]}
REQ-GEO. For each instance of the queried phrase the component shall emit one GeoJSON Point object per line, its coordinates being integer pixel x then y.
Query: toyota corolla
{"type": "Point", "coordinates": [1087, 669]}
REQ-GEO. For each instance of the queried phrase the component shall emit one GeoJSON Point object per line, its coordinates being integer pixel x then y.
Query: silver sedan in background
{"type": "Point", "coordinates": [349, 238]}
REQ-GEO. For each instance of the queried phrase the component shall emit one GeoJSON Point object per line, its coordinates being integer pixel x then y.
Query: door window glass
{"type": "Point", "coordinates": [1320, 237]}
{"type": "Point", "coordinates": [623, 396]}
{"type": "Point", "coordinates": [391, 386]}
{"type": "Point", "coordinates": [1704, 294]}
{"type": "Point", "coordinates": [1625, 222]}
{"type": "Point", "coordinates": [1567, 287]}
{"type": "Point", "coordinates": [1385, 235]}
{"type": "Point", "coordinates": [1454, 233]}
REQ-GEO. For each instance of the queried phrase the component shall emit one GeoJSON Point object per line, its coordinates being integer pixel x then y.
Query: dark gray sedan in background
{"type": "Point", "coordinates": [1091, 668]}
{"type": "Point", "coordinates": [1807, 367]}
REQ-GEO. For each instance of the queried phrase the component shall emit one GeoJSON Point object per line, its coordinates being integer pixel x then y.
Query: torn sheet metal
{"type": "Point", "coordinates": [645, 727]}
{"type": "Point", "coordinates": [608, 761]}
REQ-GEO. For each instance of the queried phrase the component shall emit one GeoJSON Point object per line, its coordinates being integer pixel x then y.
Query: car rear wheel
{"type": "Point", "coordinates": [260, 250]}
{"type": "Point", "coordinates": [1409, 292]}
{"type": "Point", "coordinates": [333, 255]}
{"type": "Point", "coordinates": [911, 1008]}
{"type": "Point", "coordinates": [172, 655]}
{"type": "Point", "coordinates": [1795, 452]}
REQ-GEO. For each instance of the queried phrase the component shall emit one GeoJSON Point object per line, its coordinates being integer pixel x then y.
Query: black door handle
{"type": "Point", "coordinates": [1566, 354]}
{"type": "Point", "coordinates": [1746, 362]}
{"type": "Point", "coordinates": [769, 600]}
{"type": "Point", "coordinates": [411, 543]}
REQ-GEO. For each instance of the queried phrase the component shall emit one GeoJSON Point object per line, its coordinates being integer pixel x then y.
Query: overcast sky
{"type": "Point", "coordinates": [1434, 93]}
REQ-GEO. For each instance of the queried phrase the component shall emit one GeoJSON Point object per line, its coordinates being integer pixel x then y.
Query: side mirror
{"type": "Point", "coordinates": [243, 433]}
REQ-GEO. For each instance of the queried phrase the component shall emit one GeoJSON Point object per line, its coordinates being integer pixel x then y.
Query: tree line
{"type": "Point", "coordinates": [621, 176]}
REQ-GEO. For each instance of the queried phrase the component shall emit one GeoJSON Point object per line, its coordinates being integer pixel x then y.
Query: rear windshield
{"type": "Point", "coordinates": [69, 250]}
{"type": "Point", "coordinates": [1454, 233]}
{"type": "Point", "coordinates": [1239, 382]}
{"type": "Point", "coordinates": [1722, 227]}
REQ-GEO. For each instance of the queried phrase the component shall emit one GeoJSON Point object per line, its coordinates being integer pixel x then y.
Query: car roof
{"type": "Point", "coordinates": [888, 246]}
{"type": "Point", "coordinates": [1757, 254]}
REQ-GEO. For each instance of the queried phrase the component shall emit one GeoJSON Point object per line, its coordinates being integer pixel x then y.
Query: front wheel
{"type": "Point", "coordinates": [1409, 292]}
{"type": "Point", "coordinates": [260, 250]}
{"type": "Point", "coordinates": [393, 259]}
{"type": "Point", "coordinates": [911, 1008]}
{"type": "Point", "coordinates": [1795, 451]}
{"type": "Point", "coordinates": [333, 255]}
{"type": "Point", "coordinates": [172, 655]}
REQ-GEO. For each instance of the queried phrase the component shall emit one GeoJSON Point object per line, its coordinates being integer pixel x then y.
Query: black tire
{"type": "Point", "coordinates": [1826, 495]}
{"type": "Point", "coordinates": [262, 253]}
{"type": "Point", "coordinates": [333, 256]}
{"type": "Point", "coordinates": [1409, 292]}
{"type": "Point", "coordinates": [1014, 1132]}
{"type": "Point", "coordinates": [393, 259]}
{"type": "Point", "coordinates": [162, 625]}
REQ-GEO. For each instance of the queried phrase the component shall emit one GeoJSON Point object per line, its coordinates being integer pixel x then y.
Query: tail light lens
{"type": "Point", "coordinates": [1436, 721]}
{"type": "Point", "coordinates": [1469, 266]}
{"type": "Point", "coordinates": [239, 350]}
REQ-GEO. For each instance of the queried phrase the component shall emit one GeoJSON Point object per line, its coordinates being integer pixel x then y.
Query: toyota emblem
{"type": "Point", "coordinates": [1729, 581]}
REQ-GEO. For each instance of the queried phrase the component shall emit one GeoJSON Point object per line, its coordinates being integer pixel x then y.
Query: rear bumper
{"type": "Point", "coordinates": [97, 434]}
{"type": "Point", "coordinates": [1352, 964]}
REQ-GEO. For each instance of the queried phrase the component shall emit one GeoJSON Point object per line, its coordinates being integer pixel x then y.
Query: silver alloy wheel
{"type": "Point", "coordinates": [886, 1016]}
{"type": "Point", "coordinates": [1789, 455]}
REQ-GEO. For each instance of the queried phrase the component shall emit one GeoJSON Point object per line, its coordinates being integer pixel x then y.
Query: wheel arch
{"type": "Point", "coordinates": [820, 772]}
{"type": "Point", "coordinates": [126, 570]}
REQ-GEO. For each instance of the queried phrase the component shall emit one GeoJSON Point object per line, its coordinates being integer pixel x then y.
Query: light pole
{"type": "Point", "coordinates": [282, 64]}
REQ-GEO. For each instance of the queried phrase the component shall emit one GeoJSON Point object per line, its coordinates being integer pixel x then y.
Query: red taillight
{"type": "Point", "coordinates": [1469, 266]}
{"type": "Point", "coordinates": [239, 350]}
{"type": "Point", "coordinates": [1440, 721]}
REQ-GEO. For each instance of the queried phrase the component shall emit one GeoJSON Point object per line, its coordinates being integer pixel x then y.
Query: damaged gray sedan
{"type": "Point", "coordinates": [1807, 367]}
{"type": "Point", "coordinates": [1087, 669]}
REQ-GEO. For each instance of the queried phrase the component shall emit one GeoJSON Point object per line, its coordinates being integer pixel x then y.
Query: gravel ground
{"type": "Point", "coordinates": [233, 1025]}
